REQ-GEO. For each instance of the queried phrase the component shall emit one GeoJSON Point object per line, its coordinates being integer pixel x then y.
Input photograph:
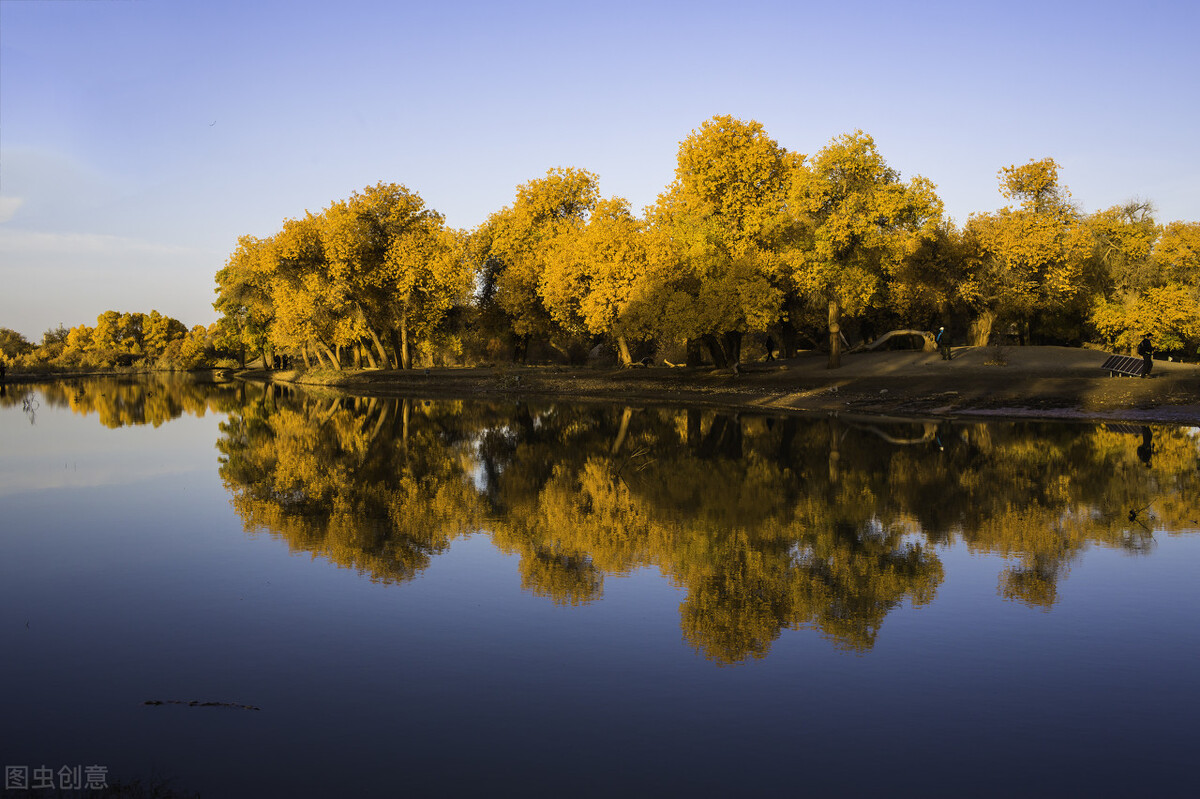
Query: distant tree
{"type": "Point", "coordinates": [1124, 237]}
{"type": "Point", "coordinates": [158, 331]}
{"type": "Point", "coordinates": [13, 344]}
{"type": "Point", "coordinates": [79, 344]}
{"type": "Point", "coordinates": [56, 335]}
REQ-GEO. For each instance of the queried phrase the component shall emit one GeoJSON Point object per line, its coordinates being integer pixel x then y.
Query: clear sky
{"type": "Point", "coordinates": [140, 138]}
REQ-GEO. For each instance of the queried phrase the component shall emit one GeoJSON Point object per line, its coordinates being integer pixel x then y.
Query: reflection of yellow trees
{"type": "Point", "coordinates": [149, 400]}
{"type": "Point", "coordinates": [353, 480]}
{"type": "Point", "coordinates": [767, 524]}
{"type": "Point", "coordinates": [1041, 494]}
{"type": "Point", "coordinates": [716, 508]}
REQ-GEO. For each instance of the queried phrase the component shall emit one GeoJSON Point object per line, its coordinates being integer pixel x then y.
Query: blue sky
{"type": "Point", "coordinates": [140, 138]}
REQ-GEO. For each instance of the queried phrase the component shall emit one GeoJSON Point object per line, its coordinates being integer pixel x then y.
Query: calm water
{"type": "Point", "coordinates": [458, 598]}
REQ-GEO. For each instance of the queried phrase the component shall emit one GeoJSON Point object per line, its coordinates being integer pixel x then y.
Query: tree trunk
{"type": "Point", "coordinates": [693, 428]}
{"type": "Point", "coordinates": [406, 414]}
{"type": "Point", "coordinates": [694, 356]}
{"type": "Point", "coordinates": [715, 349]}
{"type": "Point", "coordinates": [397, 348]}
{"type": "Point", "coordinates": [980, 331]}
{"type": "Point", "coordinates": [405, 358]}
{"type": "Point", "coordinates": [929, 345]}
{"type": "Point", "coordinates": [835, 334]}
{"type": "Point", "coordinates": [370, 357]}
{"type": "Point", "coordinates": [383, 414]}
{"type": "Point", "coordinates": [623, 351]}
{"type": "Point", "coordinates": [733, 347]}
{"type": "Point", "coordinates": [331, 355]}
{"type": "Point", "coordinates": [787, 332]}
{"type": "Point", "coordinates": [362, 320]}
{"type": "Point", "coordinates": [383, 356]}
{"type": "Point", "coordinates": [835, 455]}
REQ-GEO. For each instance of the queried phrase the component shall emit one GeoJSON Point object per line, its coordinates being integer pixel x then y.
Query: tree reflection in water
{"type": "Point", "coordinates": [766, 523]}
{"type": "Point", "coordinates": [137, 399]}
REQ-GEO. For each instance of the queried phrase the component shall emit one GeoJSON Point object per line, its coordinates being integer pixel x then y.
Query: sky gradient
{"type": "Point", "coordinates": [140, 138]}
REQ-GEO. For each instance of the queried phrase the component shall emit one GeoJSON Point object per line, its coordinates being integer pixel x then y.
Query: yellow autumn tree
{"type": "Point", "coordinates": [398, 266]}
{"type": "Point", "coordinates": [855, 222]}
{"type": "Point", "coordinates": [1030, 260]}
{"type": "Point", "coordinates": [715, 262]}
{"type": "Point", "coordinates": [595, 279]}
{"type": "Point", "coordinates": [1164, 299]}
{"type": "Point", "coordinates": [511, 249]}
{"type": "Point", "coordinates": [367, 275]}
{"type": "Point", "coordinates": [244, 297]}
{"type": "Point", "coordinates": [309, 302]}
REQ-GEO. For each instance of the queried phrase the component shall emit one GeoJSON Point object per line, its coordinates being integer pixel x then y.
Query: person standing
{"type": "Point", "coordinates": [1146, 350]}
{"type": "Point", "coordinates": [943, 342]}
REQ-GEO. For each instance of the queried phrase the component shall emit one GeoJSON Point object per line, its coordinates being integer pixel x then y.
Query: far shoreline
{"type": "Point", "coordinates": [980, 383]}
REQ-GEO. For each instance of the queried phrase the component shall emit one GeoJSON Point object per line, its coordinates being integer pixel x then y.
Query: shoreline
{"type": "Point", "coordinates": [1052, 383]}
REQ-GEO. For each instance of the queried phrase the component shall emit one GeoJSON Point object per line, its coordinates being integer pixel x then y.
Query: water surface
{"type": "Point", "coordinates": [451, 597]}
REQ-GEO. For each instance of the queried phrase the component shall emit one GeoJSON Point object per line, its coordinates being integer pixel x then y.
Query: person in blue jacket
{"type": "Point", "coordinates": [943, 342]}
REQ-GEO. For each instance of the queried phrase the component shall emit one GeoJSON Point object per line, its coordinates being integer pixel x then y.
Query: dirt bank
{"type": "Point", "coordinates": [1047, 382]}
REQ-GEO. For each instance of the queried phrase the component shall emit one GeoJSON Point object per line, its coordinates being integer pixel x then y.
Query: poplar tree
{"type": "Point", "coordinates": [855, 224]}
{"type": "Point", "coordinates": [1030, 260]}
{"type": "Point", "coordinates": [717, 270]}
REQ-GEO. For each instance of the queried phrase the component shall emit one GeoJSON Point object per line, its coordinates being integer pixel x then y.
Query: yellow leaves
{"type": "Point", "coordinates": [712, 258]}
{"type": "Point", "coordinates": [1031, 258]}
{"type": "Point", "coordinates": [1157, 277]}
{"type": "Point", "coordinates": [514, 246]}
{"type": "Point", "coordinates": [1170, 314]}
{"type": "Point", "coordinates": [593, 275]}
{"type": "Point", "coordinates": [732, 175]}
{"type": "Point", "coordinates": [375, 262]}
{"type": "Point", "coordinates": [1035, 184]}
{"type": "Point", "coordinates": [1178, 252]}
{"type": "Point", "coordinates": [856, 221]}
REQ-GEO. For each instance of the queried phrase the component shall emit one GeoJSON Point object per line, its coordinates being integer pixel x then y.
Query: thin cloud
{"type": "Point", "coordinates": [27, 242]}
{"type": "Point", "coordinates": [9, 206]}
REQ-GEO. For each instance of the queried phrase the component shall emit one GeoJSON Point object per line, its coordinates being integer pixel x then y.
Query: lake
{"type": "Point", "coordinates": [244, 591]}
